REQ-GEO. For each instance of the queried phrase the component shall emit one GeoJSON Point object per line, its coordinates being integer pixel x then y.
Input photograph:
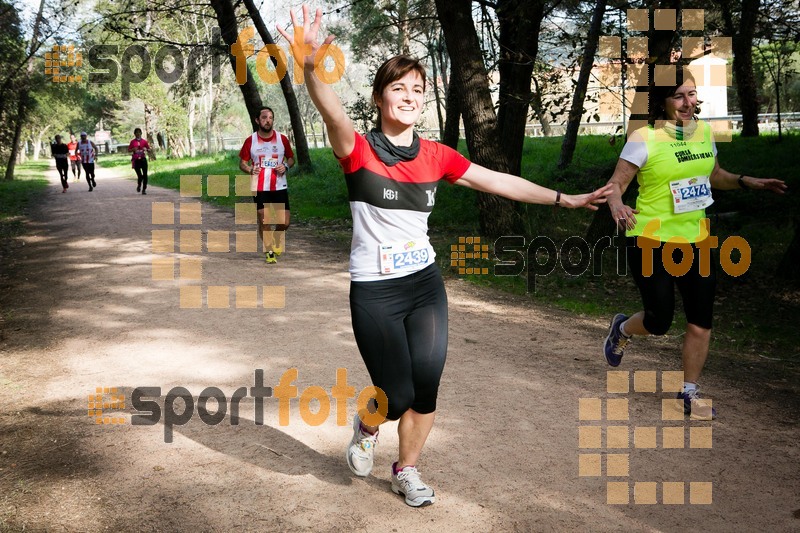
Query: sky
{"type": "Point", "coordinates": [29, 8]}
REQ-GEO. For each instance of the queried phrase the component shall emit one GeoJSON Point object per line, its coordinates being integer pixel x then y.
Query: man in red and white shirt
{"type": "Point", "coordinates": [267, 155]}
{"type": "Point", "coordinates": [87, 152]}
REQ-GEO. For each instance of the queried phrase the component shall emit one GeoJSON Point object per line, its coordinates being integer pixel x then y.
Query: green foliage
{"type": "Point", "coordinates": [191, 107]}
{"type": "Point", "coordinates": [61, 107]}
{"type": "Point", "coordinates": [387, 28]}
{"type": "Point", "coordinates": [777, 69]}
{"type": "Point", "coordinates": [362, 113]}
{"type": "Point", "coordinates": [12, 41]}
{"type": "Point", "coordinates": [17, 195]}
{"type": "Point", "coordinates": [12, 56]}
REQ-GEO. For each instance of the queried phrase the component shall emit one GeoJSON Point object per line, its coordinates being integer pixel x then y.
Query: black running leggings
{"type": "Point", "coordinates": [140, 166]}
{"type": "Point", "coordinates": [658, 290]}
{"type": "Point", "coordinates": [401, 330]}
{"type": "Point", "coordinates": [62, 165]}
{"type": "Point", "coordinates": [88, 170]}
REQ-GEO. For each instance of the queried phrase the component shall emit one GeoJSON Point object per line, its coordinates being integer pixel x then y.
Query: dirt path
{"type": "Point", "coordinates": [82, 311]}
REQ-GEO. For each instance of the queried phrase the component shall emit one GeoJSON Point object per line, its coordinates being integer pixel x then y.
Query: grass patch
{"type": "Point", "coordinates": [16, 197]}
{"type": "Point", "coordinates": [114, 160]}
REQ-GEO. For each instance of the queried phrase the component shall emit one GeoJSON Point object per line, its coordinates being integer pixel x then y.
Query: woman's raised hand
{"type": "Point", "coordinates": [304, 43]}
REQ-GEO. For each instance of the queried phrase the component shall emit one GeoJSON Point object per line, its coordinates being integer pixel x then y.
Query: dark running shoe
{"type": "Point", "coordinates": [614, 347]}
{"type": "Point", "coordinates": [696, 407]}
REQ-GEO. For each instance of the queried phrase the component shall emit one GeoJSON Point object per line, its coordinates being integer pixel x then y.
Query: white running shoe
{"type": "Point", "coordinates": [361, 451]}
{"type": "Point", "coordinates": [408, 483]}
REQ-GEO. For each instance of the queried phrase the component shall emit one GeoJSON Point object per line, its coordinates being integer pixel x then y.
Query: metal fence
{"type": "Point", "coordinates": [767, 122]}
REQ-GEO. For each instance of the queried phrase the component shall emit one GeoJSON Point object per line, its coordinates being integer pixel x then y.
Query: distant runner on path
{"type": "Point", "coordinates": [60, 152]}
{"type": "Point", "coordinates": [88, 154]}
{"type": "Point", "coordinates": [267, 156]}
{"type": "Point", "coordinates": [74, 158]}
{"type": "Point", "coordinates": [139, 149]}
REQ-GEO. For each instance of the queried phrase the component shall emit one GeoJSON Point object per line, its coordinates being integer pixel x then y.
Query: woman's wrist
{"type": "Point", "coordinates": [741, 182]}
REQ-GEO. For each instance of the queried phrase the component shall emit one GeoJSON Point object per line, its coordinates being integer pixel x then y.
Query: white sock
{"type": "Point", "coordinates": [622, 330]}
{"type": "Point", "coordinates": [688, 385]}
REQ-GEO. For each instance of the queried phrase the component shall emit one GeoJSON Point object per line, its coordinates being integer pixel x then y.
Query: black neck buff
{"type": "Point", "coordinates": [388, 152]}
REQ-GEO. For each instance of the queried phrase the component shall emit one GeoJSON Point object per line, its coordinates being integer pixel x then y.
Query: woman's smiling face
{"type": "Point", "coordinates": [682, 104]}
{"type": "Point", "coordinates": [401, 101]}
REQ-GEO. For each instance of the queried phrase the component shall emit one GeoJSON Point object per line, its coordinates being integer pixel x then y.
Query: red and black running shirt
{"type": "Point", "coordinates": [393, 203]}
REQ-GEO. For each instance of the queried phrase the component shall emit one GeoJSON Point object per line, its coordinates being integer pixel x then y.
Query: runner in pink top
{"type": "Point", "coordinates": [139, 148]}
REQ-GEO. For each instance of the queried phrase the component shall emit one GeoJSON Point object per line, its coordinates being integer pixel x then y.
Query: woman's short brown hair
{"type": "Point", "coordinates": [392, 70]}
{"type": "Point", "coordinates": [659, 93]}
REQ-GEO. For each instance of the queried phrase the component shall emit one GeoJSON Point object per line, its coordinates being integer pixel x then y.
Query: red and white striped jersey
{"type": "Point", "coordinates": [267, 154]}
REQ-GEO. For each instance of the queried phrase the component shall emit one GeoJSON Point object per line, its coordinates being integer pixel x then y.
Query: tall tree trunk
{"type": "Point", "coordinates": [296, 118]}
{"type": "Point", "coordinates": [208, 107]}
{"type": "Point", "coordinates": [578, 97]}
{"type": "Point", "coordinates": [149, 128]}
{"type": "Point", "coordinates": [37, 146]}
{"type": "Point", "coordinates": [452, 114]}
{"type": "Point", "coordinates": [788, 266]}
{"type": "Point", "coordinates": [659, 53]}
{"type": "Point", "coordinates": [190, 124]}
{"type": "Point", "coordinates": [403, 37]}
{"type": "Point", "coordinates": [520, 22]}
{"type": "Point", "coordinates": [538, 109]}
{"type": "Point", "coordinates": [742, 40]}
{"type": "Point", "coordinates": [229, 29]}
{"type": "Point", "coordinates": [497, 214]}
{"type": "Point", "coordinates": [19, 119]}
{"type": "Point", "coordinates": [22, 107]}
{"type": "Point", "coordinates": [436, 89]}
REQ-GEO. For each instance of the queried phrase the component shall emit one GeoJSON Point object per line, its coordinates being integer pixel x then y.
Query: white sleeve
{"type": "Point", "coordinates": [635, 151]}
